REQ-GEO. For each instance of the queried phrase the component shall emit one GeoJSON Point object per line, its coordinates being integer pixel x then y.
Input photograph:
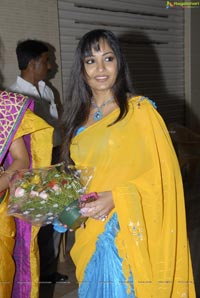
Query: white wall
{"type": "Point", "coordinates": [22, 19]}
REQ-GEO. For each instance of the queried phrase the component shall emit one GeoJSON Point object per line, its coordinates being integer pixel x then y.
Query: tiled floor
{"type": "Point", "coordinates": [61, 290]}
{"type": "Point", "coordinates": [65, 266]}
{"type": "Point", "coordinates": [65, 290]}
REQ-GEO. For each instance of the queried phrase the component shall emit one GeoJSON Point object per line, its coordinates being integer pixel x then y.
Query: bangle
{"type": "Point", "coordinates": [2, 195]}
{"type": "Point", "coordinates": [2, 170]}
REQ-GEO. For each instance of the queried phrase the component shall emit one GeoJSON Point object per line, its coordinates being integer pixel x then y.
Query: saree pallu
{"type": "Point", "coordinates": [38, 137]}
{"type": "Point", "coordinates": [135, 159]}
{"type": "Point", "coordinates": [7, 241]}
{"type": "Point", "coordinates": [20, 121]}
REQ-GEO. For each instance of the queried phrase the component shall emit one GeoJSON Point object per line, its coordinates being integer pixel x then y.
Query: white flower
{"type": "Point", "coordinates": [57, 189]}
{"type": "Point", "coordinates": [55, 205]}
{"type": "Point", "coordinates": [19, 192]}
{"type": "Point", "coordinates": [48, 222]}
{"type": "Point", "coordinates": [43, 195]}
{"type": "Point", "coordinates": [34, 193]}
{"type": "Point", "coordinates": [26, 212]}
{"type": "Point", "coordinates": [42, 202]}
{"type": "Point", "coordinates": [50, 218]}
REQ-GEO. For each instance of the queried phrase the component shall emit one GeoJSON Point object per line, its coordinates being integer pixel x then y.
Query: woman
{"type": "Point", "coordinates": [134, 243]}
{"type": "Point", "coordinates": [25, 141]}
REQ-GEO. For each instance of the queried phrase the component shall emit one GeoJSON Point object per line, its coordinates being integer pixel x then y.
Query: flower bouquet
{"type": "Point", "coordinates": [41, 195]}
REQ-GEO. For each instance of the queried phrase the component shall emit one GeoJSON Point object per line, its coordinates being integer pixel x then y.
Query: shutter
{"type": "Point", "coordinates": [152, 38]}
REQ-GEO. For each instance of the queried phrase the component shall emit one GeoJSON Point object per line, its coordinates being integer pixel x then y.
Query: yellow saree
{"type": "Point", "coordinates": [17, 120]}
{"type": "Point", "coordinates": [135, 160]}
{"type": "Point", "coordinates": [40, 149]}
{"type": "Point", "coordinates": [7, 241]}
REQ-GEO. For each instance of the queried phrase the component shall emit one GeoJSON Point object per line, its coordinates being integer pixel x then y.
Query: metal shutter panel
{"type": "Point", "coordinates": [152, 38]}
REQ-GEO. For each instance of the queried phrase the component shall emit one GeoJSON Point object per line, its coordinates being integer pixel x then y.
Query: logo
{"type": "Point", "coordinates": [192, 4]}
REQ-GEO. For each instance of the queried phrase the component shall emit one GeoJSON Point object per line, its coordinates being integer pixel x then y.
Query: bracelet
{"type": "Point", "coordinates": [2, 195]}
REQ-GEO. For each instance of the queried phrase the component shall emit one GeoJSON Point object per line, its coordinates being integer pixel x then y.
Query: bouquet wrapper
{"type": "Point", "coordinates": [71, 214]}
{"type": "Point", "coordinates": [39, 196]}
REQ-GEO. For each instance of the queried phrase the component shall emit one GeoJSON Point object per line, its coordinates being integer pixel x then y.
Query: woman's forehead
{"type": "Point", "coordinates": [97, 46]}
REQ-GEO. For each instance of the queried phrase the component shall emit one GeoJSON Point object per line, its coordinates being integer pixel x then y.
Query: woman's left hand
{"type": "Point", "coordinates": [100, 208]}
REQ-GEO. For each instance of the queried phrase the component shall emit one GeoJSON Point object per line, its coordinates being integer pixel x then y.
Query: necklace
{"type": "Point", "coordinates": [99, 113]}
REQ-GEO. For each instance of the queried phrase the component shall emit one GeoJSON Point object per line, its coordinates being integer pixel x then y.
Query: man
{"type": "Point", "coordinates": [34, 64]}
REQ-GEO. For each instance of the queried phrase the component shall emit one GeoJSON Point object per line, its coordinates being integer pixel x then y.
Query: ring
{"type": "Point", "coordinates": [103, 217]}
{"type": "Point", "coordinates": [2, 170]}
{"type": "Point", "coordinates": [97, 216]}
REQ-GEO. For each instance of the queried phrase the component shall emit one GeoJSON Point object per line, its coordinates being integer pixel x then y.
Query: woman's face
{"type": "Point", "coordinates": [101, 68]}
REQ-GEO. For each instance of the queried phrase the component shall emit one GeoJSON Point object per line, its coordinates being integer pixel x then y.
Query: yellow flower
{"type": "Point", "coordinates": [35, 179]}
{"type": "Point", "coordinates": [24, 185]}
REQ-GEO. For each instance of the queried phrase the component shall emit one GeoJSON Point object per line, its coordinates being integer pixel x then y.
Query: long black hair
{"type": "Point", "coordinates": [79, 94]}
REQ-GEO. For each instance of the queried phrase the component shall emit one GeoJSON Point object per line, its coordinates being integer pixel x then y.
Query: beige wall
{"type": "Point", "coordinates": [22, 19]}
